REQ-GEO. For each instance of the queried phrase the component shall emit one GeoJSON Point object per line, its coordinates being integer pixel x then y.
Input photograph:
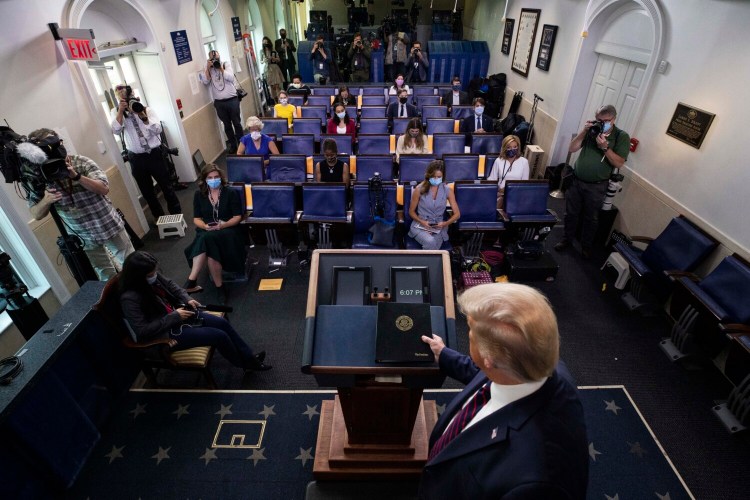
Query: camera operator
{"type": "Point", "coordinates": [359, 58]}
{"type": "Point", "coordinates": [321, 61]}
{"type": "Point", "coordinates": [79, 194]}
{"type": "Point", "coordinates": [395, 56]}
{"type": "Point", "coordinates": [416, 66]}
{"type": "Point", "coordinates": [142, 131]}
{"type": "Point", "coordinates": [222, 81]}
{"type": "Point", "coordinates": [286, 49]}
{"type": "Point", "coordinates": [603, 147]}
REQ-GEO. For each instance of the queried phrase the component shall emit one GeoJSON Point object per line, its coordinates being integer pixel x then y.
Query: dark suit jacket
{"type": "Point", "coordinates": [533, 448]}
{"type": "Point", "coordinates": [422, 64]}
{"type": "Point", "coordinates": [291, 62]}
{"type": "Point", "coordinates": [463, 98]}
{"type": "Point", "coordinates": [393, 110]}
{"type": "Point", "coordinates": [468, 125]}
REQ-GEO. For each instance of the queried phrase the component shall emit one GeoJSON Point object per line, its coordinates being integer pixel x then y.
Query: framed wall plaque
{"type": "Point", "coordinates": [549, 33]}
{"type": "Point", "coordinates": [525, 40]}
{"type": "Point", "coordinates": [507, 36]}
{"type": "Point", "coordinates": [690, 125]}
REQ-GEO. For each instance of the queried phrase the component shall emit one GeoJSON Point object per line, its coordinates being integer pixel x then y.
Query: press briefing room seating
{"type": "Point", "coordinates": [320, 100]}
{"type": "Point", "coordinates": [373, 126]}
{"type": "Point", "coordinates": [411, 243]}
{"type": "Point", "coordinates": [399, 126]}
{"type": "Point", "coordinates": [329, 91]}
{"type": "Point", "coordinates": [525, 209]}
{"type": "Point", "coordinates": [308, 126]}
{"type": "Point", "coordinates": [440, 125]}
{"type": "Point", "coordinates": [373, 91]}
{"type": "Point", "coordinates": [479, 215]}
{"type": "Point", "coordinates": [373, 100]}
{"type": "Point", "coordinates": [318, 112]}
{"type": "Point", "coordinates": [363, 216]}
{"type": "Point", "coordinates": [368, 165]}
{"type": "Point", "coordinates": [413, 167]}
{"type": "Point", "coordinates": [483, 144]}
{"type": "Point", "coordinates": [461, 167]}
{"type": "Point", "coordinates": [445, 144]}
{"type": "Point", "coordinates": [324, 205]}
{"type": "Point", "coordinates": [705, 310]}
{"type": "Point", "coordinates": [394, 98]}
{"type": "Point", "coordinates": [287, 168]}
{"type": "Point", "coordinates": [275, 126]}
{"type": "Point", "coordinates": [353, 112]}
{"type": "Point", "coordinates": [461, 112]}
{"type": "Point", "coordinates": [372, 112]}
{"type": "Point", "coordinates": [320, 158]}
{"type": "Point", "coordinates": [680, 247]}
{"type": "Point", "coordinates": [429, 100]}
{"type": "Point", "coordinates": [274, 212]}
{"type": "Point", "coordinates": [245, 168]}
{"type": "Point", "coordinates": [421, 90]}
{"type": "Point", "coordinates": [296, 100]}
{"type": "Point", "coordinates": [298, 144]}
{"type": "Point", "coordinates": [373, 144]}
{"type": "Point", "coordinates": [153, 355]}
{"type": "Point", "coordinates": [430, 112]}
{"type": "Point", "coordinates": [343, 142]}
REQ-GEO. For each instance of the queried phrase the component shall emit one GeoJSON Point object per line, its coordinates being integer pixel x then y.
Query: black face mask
{"type": "Point", "coordinates": [403, 100]}
{"type": "Point", "coordinates": [283, 37]}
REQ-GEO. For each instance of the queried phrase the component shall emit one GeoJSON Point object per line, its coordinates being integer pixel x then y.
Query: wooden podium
{"type": "Point", "coordinates": [378, 426]}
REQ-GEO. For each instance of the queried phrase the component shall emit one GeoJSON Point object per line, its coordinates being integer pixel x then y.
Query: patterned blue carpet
{"type": "Point", "coordinates": [247, 445]}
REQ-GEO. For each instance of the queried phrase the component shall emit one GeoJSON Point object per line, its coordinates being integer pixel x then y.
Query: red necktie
{"type": "Point", "coordinates": [467, 413]}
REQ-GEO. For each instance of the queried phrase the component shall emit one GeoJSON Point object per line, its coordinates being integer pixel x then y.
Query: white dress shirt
{"type": "Point", "coordinates": [151, 131]}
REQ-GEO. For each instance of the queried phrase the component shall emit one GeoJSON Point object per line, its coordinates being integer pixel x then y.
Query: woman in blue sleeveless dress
{"type": "Point", "coordinates": [427, 209]}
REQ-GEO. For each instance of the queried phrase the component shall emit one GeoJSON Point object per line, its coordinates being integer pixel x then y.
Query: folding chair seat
{"type": "Point", "coordinates": [429, 100]}
{"type": "Point", "coordinates": [440, 125]}
{"type": "Point", "coordinates": [372, 112]}
{"type": "Point", "coordinates": [461, 112]}
{"type": "Point", "coordinates": [296, 100]}
{"type": "Point", "coordinates": [343, 142]}
{"type": "Point", "coordinates": [369, 144]}
{"type": "Point", "coordinates": [409, 242]}
{"type": "Point", "coordinates": [479, 215]}
{"type": "Point", "coordinates": [399, 126]}
{"type": "Point", "coordinates": [324, 206]}
{"type": "Point", "coordinates": [368, 165]}
{"type": "Point", "coordinates": [353, 112]}
{"type": "Point", "coordinates": [327, 91]}
{"type": "Point", "coordinates": [275, 126]}
{"type": "Point", "coordinates": [412, 167]}
{"type": "Point", "coordinates": [298, 144]}
{"type": "Point", "coordinates": [369, 91]}
{"type": "Point", "coordinates": [483, 144]}
{"type": "Point", "coordinates": [320, 100]}
{"type": "Point", "coordinates": [373, 100]}
{"type": "Point", "coordinates": [363, 217]}
{"type": "Point", "coordinates": [680, 247]}
{"type": "Point", "coordinates": [274, 211]}
{"type": "Point", "coordinates": [245, 169]}
{"type": "Point", "coordinates": [430, 112]}
{"type": "Point", "coordinates": [525, 210]}
{"type": "Point", "coordinates": [461, 167]}
{"type": "Point", "coordinates": [423, 90]}
{"type": "Point", "coordinates": [318, 112]}
{"type": "Point", "coordinates": [308, 126]}
{"type": "Point", "coordinates": [287, 168]}
{"type": "Point", "coordinates": [373, 126]}
{"type": "Point", "coordinates": [445, 144]}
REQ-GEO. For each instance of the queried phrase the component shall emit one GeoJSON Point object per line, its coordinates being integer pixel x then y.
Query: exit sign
{"type": "Point", "coordinates": [79, 44]}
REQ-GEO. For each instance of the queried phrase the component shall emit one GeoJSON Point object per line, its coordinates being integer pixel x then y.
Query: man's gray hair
{"type": "Point", "coordinates": [607, 110]}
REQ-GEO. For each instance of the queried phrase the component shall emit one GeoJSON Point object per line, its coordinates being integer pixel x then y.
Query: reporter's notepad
{"type": "Point", "coordinates": [270, 284]}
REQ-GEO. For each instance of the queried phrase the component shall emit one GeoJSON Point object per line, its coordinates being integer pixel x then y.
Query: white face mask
{"type": "Point", "coordinates": [296, 85]}
{"type": "Point", "coordinates": [283, 101]}
{"type": "Point", "coordinates": [151, 279]}
{"type": "Point", "coordinates": [341, 115]}
{"type": "Point", "coordinates": [255, 135]}
{"type": "Point", "coordinates": [479, 110]}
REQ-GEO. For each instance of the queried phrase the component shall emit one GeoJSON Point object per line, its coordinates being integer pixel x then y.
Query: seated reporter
{"type": "Point", "coordinates": [155, 307]}
{"type": "Point", "coordinates": [509, 165]}
{"type": "Point", "coordinates": [332, 169]}
{"type": "Point", "coordinates": [517, 430]}
{"type": "Point", "coordinates": [400, 109]}
{"type": "Point", "coordinates": [340, 123]}
{"type": "Point", "coordinates": [427, 208]}
{"type": "Point", "coordinates": [255, 143]}
{"type": "Point", "coordinates": [479, 123]}
{"type": "Point", "coordinates": [413, 141]}
{"type": "Point", "coordinates": [219, 240]}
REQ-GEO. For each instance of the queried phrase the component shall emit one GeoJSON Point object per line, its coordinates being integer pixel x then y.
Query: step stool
{"type": "Point", "coordinates": [619, 264]}
{"type": "Point", "coordinates": [170, 225]}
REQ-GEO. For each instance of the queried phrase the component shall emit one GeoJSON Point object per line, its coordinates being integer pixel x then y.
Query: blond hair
{"type": "Point", "coordinates": [254, 121]}
{"type": "Point", "coordinates": [513, 326]}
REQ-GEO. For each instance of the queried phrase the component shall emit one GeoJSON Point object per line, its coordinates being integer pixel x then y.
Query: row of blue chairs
{"type": "Point", "coordinates": [299, 168]}
{"type": "Point", "coordinates": [366, 100]}
{"type": "Point", "coordinates": [416, 90]}
{"type": "Point", "coordinates": [306, 125]}
{"type": "Point", "coordinates": [426, 112]}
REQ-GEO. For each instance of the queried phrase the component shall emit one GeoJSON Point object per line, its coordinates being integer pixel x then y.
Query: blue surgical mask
{"type": "Point", "coordinates": [151, 279]}
{"type": "Point", "coordinates": [511, 153]}
{"type": "Point", "coordinates": [341, 115]}
{"type": "Point", "coordinates": [213, 183]}
{"type": "Point", "coordinates": [607, 127]}
{"type": "Point", "coordinates": [436, 181]}
{"type": "Point", "coordinates": [479, 110]}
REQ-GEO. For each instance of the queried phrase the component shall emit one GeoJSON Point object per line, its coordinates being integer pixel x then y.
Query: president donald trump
{"type": "Point", "coordinates": [517, 430]}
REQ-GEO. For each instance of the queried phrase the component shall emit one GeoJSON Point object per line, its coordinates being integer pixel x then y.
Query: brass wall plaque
{"type": "Point", "coordinates": [690, 125]}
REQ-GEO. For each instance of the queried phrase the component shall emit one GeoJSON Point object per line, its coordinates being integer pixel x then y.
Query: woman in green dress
{"type": "Point", "coordinates": [219, 241]}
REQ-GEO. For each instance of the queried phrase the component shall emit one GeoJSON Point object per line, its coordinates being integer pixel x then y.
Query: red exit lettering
{"type": "Point", "coordinates": [81, 49]}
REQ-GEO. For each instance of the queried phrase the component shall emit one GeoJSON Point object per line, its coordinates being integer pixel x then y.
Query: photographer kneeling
{"type": "Point", "coordinates": [156, 307]}
{"type": "Point", "coordinates": [142, 131]}
{"type": "Point", "coordinates": [78, 189]}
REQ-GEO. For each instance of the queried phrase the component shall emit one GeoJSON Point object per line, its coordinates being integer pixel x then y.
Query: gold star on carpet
{"type": "Point", "coordinates": [440, 409]}
{"type": "Point", "coordinates": [592, 452]}
{"type": "Point", "coordinates": [162, 454]}
{"type": "Point", "coordinates": [616, 497]}
{"type": "Point", "coordinates": [209, 455]}
{"type": "Point", "coordinates": [139, 408]}
{"type": "Point", "coordinates": [665, 496]}
{"type": "Point", "coordinates": [115, 453]}
{"type": "Point", "coordinates": [311, 411]}
{"type": "Point", "coordinates": [267, 411]}
{"type": "Point", "coordinates": [612, 406]}
{"type": "Point", "coordinates": [636, 449]}
{"type": "Point", "coordinates": [181, 410]}
{"type": "Point", "coordinates": [304, 455]}
{"type": "Point", "coordinates": [257, 455]}
{"type": "Point", "coordinates": [224, 411]}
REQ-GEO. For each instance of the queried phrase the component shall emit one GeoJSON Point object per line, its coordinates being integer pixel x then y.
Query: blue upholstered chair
{"type": "Point", "coordinates": [329, 91]}
{"type": "Point", "coordinates": [368, 165]}
{"type": "Point", "coordinates": [446, 144]}
{"type": "Point", "coordinates": [298, 144]}
{"type": "Point", "coordinates": [353, 112]}
{"type": "Point", "coordinates": [245, 169]}
{"type": "Point", "coordinates": [324, 206]}
{"type": "Point", "coordinates": [372, 112]}
{"type": "Point", "coordinates": [373, 125]}
{"type": "Point", "coordinates": [394, 98]}
{"type": "Point", "coordinates": [275, 126]}
{"type": "Point", "coordinates": [308, 126]}
{"type": "Point", "coordinates": [525, 210]}
{"type": "Point", "coordinates": [296, 100]}
{"type": "Point", "coordinates": [363, 218]}
{"type": "Point", "coordinates": [409, 242]}
{"type": "Point", "coordinates": [373, 144]}
{"type": "Point", "coordinates": [412, 167]}
{"type": "Point", "coordinates": [461, 112]}
{"type": "Point", "coordinates": [399, 126]}
{"type": "Point", "coordinates": [377, 90]}
{"type": "Point", "coordinates": [318, 112]}
{"type": "Point", "coordinates": [483, 144]}
{"type": "Point", "coordinates": [287, 168]}
{"type": "Point", "coordinates": [429, 112]}
{"type": "Point", "coordinates": [373, 100]}
{"type": "Point", "coordinates": [274, 213]}
{"type": "Point", "coordinates": [429, 100]}
{"type": "Point", "coordinates": [423, 90]}
{"type": "Point", "coordinates": [440, 125]}
{"type": "Point", "coordinates": [461, 167]}
{"type": "Point", "coordinates": [680, 247]}
{"type": "Point", "coordinates": [477, 201]}
{"type": "Point", "coordinates": [343, 142]}
{"type": "Point", "coordinates": [320, 100]}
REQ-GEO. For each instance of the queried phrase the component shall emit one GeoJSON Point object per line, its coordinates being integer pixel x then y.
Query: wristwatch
{"type": "Point", "coordinates": [77, 177]}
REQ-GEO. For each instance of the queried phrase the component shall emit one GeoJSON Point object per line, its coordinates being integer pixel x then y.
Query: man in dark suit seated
{"type": "Point", "coordinates": [517, 430]}
{"type": "Point", "coordinates": [400, 109]}
{"type": "Point", "coordinates": [479, 123]}
{"type": "Point", "coordinates": [456, 96]}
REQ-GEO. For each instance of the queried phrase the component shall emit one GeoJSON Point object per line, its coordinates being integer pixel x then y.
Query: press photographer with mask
{"type": "Point", "coordinates": [221, 82]}
{"type": "Point", "coordinates": [359, 55]}
{"type": "Point", "coordinates": [78, 189]}
{"type": "Point", "coordinates": [142, 131]}
{"type": "Point", "coordinates": [320, 60]}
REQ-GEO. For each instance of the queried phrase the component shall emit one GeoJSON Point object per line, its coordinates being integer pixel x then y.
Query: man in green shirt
{"type": "Point", "coordinates": [601, 153]}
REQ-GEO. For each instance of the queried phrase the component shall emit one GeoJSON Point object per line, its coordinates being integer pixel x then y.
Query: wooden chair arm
{"type": "Point", "coordinates": [736, 328]}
